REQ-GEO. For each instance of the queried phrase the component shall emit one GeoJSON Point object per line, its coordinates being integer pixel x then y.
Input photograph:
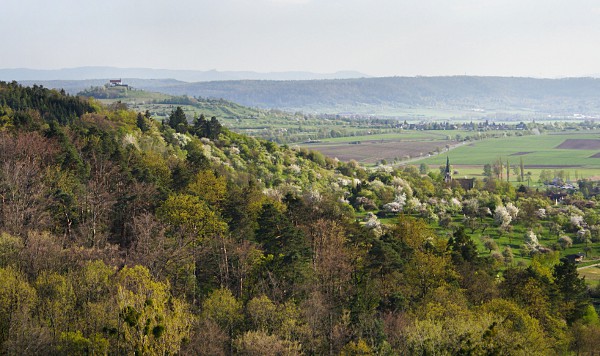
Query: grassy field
{"type": "Point", "coordinates": [538, 153]}
{"type": "Point", "coordinates": [391, 147]}
{"type": "Point", "coordinates": [540, 150]}
{"type": "Point", "coordinates": [548, 151]}
{"type": "Point", "coordinates": [515, 238]}
{"type": "Point", "coordinates": [591, 274]}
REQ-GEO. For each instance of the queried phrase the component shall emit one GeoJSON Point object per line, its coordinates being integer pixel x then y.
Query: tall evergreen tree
{"type": "Point", "coordinates": [178, 120]}
{"type": "Point", "coordinates": [141, 123]}
{"type": "Point", "coordinates": [572, 289]}
{"type": "Point", "coordinates": [286, 250]}
{"type": "Point", "coordinates": [214, 128]}
{"type": "Point", "coordinates": [462, 247]}
{"type": "Point", "coordinates": [200, 126]}
{"type": "Point", "coordinates": [522, 170]}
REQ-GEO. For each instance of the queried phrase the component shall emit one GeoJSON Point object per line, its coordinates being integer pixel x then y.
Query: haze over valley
{"type": "Point", "coordinates": [456, 97]}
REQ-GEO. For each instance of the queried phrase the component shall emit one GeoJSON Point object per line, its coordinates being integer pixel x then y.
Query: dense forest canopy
{"type": "Point", "coordinates": [122, 235]}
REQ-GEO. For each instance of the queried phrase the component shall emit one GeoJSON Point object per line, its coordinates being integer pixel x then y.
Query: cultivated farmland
{"type": "Point", "coordinates": [578, 153]}
{"type": "Point", "coordinates": [372, 151]}
{"type": "Point", "coordinates": [394, 147]}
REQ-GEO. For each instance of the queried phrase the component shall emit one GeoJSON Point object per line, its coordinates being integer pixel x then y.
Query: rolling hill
{"type": "Point", "coordinates": [405, 97]}
{"type": "Point", "coordinates": [551, 96]}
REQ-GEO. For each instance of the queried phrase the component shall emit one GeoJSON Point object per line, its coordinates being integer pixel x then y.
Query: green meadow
{"type": "Point", "coordinates": [591, 274]}
{"type": "Point", "coordinates": [537, 152]}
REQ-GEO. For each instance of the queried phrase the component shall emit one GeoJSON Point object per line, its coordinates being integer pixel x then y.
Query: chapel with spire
{"type": "Point", "coordinates": [447, 172]}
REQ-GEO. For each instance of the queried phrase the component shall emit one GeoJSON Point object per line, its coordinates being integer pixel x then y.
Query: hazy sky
{"type": "Point", "coordinates": [542, 38]}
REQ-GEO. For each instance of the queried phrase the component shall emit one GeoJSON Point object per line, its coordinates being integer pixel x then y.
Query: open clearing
{"type": "Point", "coordinates": [591, 274]}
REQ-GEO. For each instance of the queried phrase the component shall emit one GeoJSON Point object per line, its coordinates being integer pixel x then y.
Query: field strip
{"type": "Point", "coordinates": [584, 267]}
{"type": "Point", "coordinates": [435, 154]}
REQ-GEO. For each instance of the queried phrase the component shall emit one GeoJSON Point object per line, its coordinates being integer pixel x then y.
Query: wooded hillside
{"type": "Point", "coordinates": [406, 97]}
{"type": "Point", "coordinates": [119, 235]}
{"type": "Point", "coordinates": [550, 96]}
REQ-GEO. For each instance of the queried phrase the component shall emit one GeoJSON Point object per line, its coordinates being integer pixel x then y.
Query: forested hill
{"type": "Point", "coordinates": [573, 95]}
{"type": "Point", "coordinates": [387, 95]}
{"type": "Point", "coordinates": [120, 235]}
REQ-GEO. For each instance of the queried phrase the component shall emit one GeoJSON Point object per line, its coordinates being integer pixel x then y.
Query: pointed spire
{"type": "Point", "coordinates": [447, 173]}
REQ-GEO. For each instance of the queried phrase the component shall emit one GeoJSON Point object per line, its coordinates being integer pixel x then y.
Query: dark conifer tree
{"type": "Point", "coordinates": [141, 122]}
{"type": "Point", "coordinates": [286, 249]}
{"type": "Point", "coordinates": [214, 128]}
{"type": "Point", "coordinates": [463, 249]}
{"type": "Point", "coordinates": [200, 126]}
{"type": "Point", "coordinates": [572, 290]}
{"type": "Point", "coordinates": [178, 120]}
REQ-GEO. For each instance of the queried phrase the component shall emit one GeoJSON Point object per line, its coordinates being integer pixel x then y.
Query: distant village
{"type": "Point", "coordinates": [469, 126]}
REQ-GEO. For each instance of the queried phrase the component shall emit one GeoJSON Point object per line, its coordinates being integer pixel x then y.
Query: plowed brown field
{"type": "Point", "coordinates": [580, 144]}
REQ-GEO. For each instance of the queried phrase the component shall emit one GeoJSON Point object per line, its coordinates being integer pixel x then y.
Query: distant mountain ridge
{"type": "Point", "coordinates": [553, 96]}
{"type": "Point", "coordinates": [86, 73]}
{"type": "Point", "coordinates": [391, 96]}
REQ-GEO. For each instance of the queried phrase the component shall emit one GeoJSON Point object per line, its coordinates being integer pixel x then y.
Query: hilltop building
{"type": "Point", "coordinates": [117, 83]}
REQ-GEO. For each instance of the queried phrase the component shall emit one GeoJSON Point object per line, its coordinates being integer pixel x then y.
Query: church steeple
{"type": "Point", "coordinates": [447, 173]}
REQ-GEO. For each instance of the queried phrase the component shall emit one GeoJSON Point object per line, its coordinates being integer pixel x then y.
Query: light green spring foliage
{"type": "Point", "coordinates": [107, 306]}
{"type": "Point", "coordinates": [153, 321]}
{"type": "Point", "coordinates": [222, 308]}
{"type": "Point", "coordinates": [188, 214]}
{"type": "Point", "coordinates": [229, 244]}
{"type": "Point", "coordinates": [17, 297]}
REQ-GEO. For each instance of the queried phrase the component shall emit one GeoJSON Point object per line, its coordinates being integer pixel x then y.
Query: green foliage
{"type": "Point", "coordinates": [208, 187]}
{"type": "Point", "coordinates": [17, 297]}
{"type": "Point", "coordinates": [224, 309]}
{"type": "Point", "coordinates": [178, 120]}
{"type": "Point", "coordinates": [51, 105]}
{"type": "Point", "coordinates": [10, 247]}
{"type": "Point", "coordinates": [117, 236]}
{"type": "Point", "coordinates": [207, 128]}
{"type": "Point", "coordinates": [142, 122]}
{"type": "Point", "coordinates": [514, 329]}
{"type": "Point", "coordinates": [462, 247]}
{"type": "Point", "coordinates": [152, 320]}
{"type": "Point", "coordinates": [74, 343]}
{"type": "Point", "coordinates": [285, 248]}
{"type": "Point", "coordinates": [574, 294]}
{"type": "Point", "coordinates": [257, 343]}
{"type": "Point", "coordinates": [190, 216]}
